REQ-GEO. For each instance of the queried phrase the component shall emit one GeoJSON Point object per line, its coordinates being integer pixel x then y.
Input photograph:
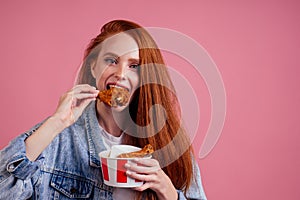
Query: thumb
{"type": "Point", "coordinates": [79, 109]}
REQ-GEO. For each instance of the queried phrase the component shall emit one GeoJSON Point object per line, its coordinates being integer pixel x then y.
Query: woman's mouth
{"type": "Point", "coordinates": [115, 85]}
{"type": "Point", "coordinates": [114, 96]}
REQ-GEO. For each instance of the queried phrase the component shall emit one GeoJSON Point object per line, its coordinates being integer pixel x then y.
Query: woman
{"type": "Point", "coordinates": [58, 158]}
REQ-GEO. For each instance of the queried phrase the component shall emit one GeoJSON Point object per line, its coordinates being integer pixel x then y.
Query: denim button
{"type": "Point", "coordinates": [11, 168]}
{"type": "Point", "coordinates": [73, 190]}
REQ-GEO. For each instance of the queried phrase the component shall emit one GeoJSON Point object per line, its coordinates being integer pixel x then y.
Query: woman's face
{"type": "Point", "coordinates": [117, 64]}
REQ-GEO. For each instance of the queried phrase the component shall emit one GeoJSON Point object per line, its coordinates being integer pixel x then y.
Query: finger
{"type": "Point", "coordinates": [142, 169]}
{"type": "Point", "coordinates": [146, 162]}
{"type": "Point", "coordinates": [141, 177]}
{"type": "Point", "coordinates": [65, 101]}
{"type": "Point", "coordinates": [143, 187]}
{"type": "Point", "coordinates": [82, 96]}
{"type": "Point", "coordinates": [83, 104]}
{"type": "Point", "coordinates": [84, 88]}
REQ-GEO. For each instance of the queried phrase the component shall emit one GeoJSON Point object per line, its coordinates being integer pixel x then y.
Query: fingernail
{"type": "Point", "coordinates": [127, 165]}
{"type": "Point", "coordinates": [128, 172]}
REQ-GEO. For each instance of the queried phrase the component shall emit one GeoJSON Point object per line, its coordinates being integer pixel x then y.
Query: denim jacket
{"type": "Point", "coordinates": [69, 168]}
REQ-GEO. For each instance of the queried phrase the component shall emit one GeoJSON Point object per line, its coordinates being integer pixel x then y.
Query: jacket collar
{"type": "Point", "coordinates": [95, 142]}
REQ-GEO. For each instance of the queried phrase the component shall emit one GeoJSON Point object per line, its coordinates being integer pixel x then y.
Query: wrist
{"type": "Point", "coordinates": [168, 196]}
{"type": "Point", "coordinates": [57, 123]}
{"type": "Point", "coordinates": [168, 193]}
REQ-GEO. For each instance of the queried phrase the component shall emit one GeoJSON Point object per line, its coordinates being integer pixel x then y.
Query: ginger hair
{"type": "Point", "coordinates": [172, 144]}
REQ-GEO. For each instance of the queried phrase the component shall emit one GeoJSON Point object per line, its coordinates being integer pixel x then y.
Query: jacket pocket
{"type": "Point", "coordinates": [72, 186]}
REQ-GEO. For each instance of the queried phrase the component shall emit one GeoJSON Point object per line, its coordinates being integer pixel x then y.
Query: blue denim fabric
{"type": "Point", "coordinates": [68, 168]}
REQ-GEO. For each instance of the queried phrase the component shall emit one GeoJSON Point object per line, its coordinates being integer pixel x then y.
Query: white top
{"type": "Point", "coordinates": [110, 140]}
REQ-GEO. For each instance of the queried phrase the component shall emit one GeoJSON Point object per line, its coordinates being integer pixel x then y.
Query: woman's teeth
{"type": "Point", "coordinates": [114, 86]}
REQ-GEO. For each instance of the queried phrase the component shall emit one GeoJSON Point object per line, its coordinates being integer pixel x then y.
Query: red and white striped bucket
{"type": "Point", "coordinates": [114, 171]}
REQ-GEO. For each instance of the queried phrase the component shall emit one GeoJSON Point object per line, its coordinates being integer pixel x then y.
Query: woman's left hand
{"type": "Point", "coordinates": [149, 171]}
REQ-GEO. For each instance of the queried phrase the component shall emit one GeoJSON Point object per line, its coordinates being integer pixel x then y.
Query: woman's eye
{"type": "Point", "coordinates": [110, 61]}
{"type": "Point", "coordinates": [135, 66]}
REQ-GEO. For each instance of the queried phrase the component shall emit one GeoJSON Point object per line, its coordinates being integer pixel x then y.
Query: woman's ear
{"type": "Point", "coordinates": [93, 67]}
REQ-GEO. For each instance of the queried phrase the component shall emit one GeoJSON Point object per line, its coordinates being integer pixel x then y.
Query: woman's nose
{"type": "Point", "coordinates": [121, 71]}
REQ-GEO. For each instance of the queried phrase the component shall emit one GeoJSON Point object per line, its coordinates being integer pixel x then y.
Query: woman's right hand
{"type": "Point", "coordinates": [69, 109]}
{"type": "Point", "coordinates": [73, 102]}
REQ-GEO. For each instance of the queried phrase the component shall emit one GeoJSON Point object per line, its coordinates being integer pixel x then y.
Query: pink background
{"type": "Point", "coordinates": [255, 44]}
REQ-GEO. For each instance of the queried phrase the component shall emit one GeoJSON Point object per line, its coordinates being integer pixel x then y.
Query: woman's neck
{"type": "Point", "coordinates": [107, 119]}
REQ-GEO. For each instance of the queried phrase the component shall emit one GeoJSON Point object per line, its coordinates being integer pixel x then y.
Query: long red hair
{"type": "Point", "coordinates": [172, 144]}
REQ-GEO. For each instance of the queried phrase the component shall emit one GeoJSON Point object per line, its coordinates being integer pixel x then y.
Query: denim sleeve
{"type": "Point", "coordinates": [196, 190]}
{"type": "Point", "coordinates": [16, 171]}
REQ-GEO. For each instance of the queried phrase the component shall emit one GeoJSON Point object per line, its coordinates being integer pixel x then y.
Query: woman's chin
{"type": "Point", "coordinates": [119, 108]}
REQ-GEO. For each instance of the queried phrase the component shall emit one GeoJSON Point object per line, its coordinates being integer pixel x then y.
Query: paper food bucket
{"type": "Point", "coordinates": [113, 169]}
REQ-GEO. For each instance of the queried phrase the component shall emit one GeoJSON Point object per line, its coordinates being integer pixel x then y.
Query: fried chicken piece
{"type": "Point", "coordinates": [114, 96]}
{"type": "Point", "coordinates": [146, 151]}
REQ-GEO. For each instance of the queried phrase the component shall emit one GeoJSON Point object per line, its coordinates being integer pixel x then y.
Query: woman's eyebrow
{"type": "Point", "coordinates": [117, 56]}
{"type": "Point", "coordinates": [136, 60]}
{"type": "Point", "coordinates": [111, 54]}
